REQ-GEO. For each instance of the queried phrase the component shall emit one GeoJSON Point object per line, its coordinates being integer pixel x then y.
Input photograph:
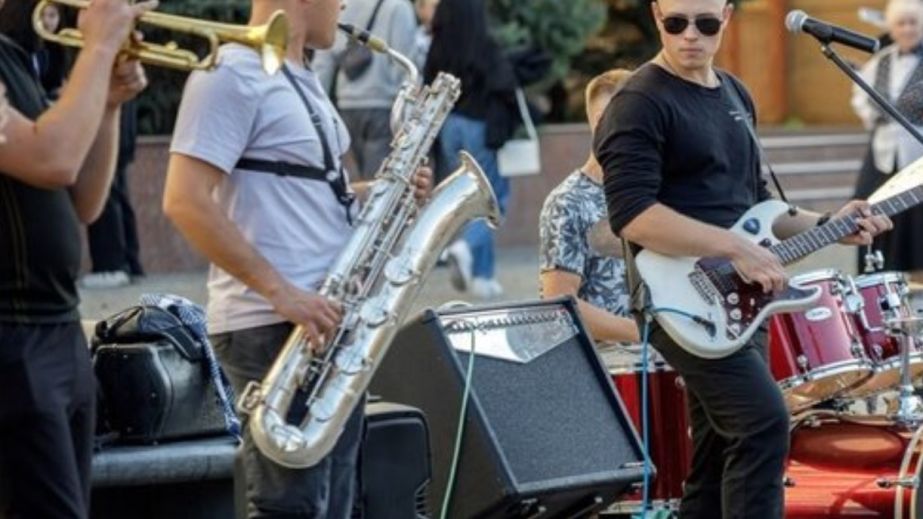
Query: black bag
{"type": "Point", "coordinates": [357, 58]}
{"type": "Point", "coordinates": [154, 380]}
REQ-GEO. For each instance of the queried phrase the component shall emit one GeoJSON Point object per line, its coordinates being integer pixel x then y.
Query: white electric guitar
{"type": "Point", "coordinates": [705, 306]}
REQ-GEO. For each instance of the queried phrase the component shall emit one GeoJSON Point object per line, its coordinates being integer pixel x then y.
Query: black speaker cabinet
{"type": "Point", "coordinates": [545, 432]}
{"type": "Point", "coordinates": [396, 466]}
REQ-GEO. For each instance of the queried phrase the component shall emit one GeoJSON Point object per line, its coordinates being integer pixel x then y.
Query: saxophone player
{"type": "Point", "coordinates": [256, 183]}
{"type": "Point", "coordinates": [55, 169]}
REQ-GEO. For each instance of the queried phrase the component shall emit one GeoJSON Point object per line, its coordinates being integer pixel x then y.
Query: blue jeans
{"type": "Point", "coordinates": [463, 133]}
{"type": "Point", "coordinates": [326, 490]}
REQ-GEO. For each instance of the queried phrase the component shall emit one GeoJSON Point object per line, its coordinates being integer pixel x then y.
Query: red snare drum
{"type": "Point", "coordinates": [669, 437]}
{"type": "Point", "coordinates": [815, 354]}
{"type": "Point", "coordinates": [883, 350]}
{"type": "Point", "coordinates": [840, 470]}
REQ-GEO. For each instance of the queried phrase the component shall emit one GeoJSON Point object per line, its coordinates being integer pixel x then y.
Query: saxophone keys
{"type": "Point", "coordinates": [401, 270]}
{"type": "Point", "coordinates": [375, 312]}
{"type": "Point", "coordinates": [351, 363]}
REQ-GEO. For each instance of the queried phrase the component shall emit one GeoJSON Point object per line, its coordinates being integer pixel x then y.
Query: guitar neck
{"type": "Point", "coordinates": [812, 240]}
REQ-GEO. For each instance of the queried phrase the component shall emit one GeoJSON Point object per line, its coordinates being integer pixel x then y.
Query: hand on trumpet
{"type": "Point", "coordinates": [128, 80]}
{"type": "Point", "coordinates": [107, 24]}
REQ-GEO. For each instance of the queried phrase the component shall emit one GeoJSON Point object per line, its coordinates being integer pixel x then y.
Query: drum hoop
{"type": "Point", "coordinates": [816, 275]}
{"type": "Point", "coordinates": [828, 370]}
{"type": "Point", "coordinates": [895, 362]}
{"type": "Point", "coordinates": [659, 366]}
{"type": "Point", "coordinates": [878, 278]}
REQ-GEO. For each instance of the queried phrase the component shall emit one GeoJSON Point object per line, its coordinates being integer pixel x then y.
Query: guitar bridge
{"type": "Point", "coordinates": [703, 286]}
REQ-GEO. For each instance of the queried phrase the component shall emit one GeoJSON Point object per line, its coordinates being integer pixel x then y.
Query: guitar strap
{"type": "Point", "coordinates": [736, 98]}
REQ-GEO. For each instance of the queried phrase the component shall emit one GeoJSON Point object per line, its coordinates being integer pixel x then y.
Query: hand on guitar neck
{"type": "Point", "coordinates": [757, 264]}
{"type": "Point", "coordinates": [870, 225]}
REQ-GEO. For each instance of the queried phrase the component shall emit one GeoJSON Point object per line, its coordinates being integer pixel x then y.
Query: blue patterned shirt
{"type": "Point", "coordinates": [575, 237]}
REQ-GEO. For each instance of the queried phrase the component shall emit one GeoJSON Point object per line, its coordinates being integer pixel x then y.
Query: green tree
{"type": "Point", "coordinates": [560, 27]}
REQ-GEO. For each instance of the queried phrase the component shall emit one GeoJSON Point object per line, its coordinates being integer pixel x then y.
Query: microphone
{"type": "Point", "coordinates": [798, 21]}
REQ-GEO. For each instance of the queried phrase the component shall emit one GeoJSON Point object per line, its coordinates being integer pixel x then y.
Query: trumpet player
{"type": "Point", "coordinates": [55, 170]}
{"type": "Point", "coordinates": [257, 184]}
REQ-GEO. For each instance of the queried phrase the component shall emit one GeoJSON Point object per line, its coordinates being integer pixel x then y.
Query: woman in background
{"type": "Point", "coordinates": [892, 71]}
{"type": "Point", "coordinates": [462, 46]}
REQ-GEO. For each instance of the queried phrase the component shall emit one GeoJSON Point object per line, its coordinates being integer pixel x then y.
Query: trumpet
{"type": "Point", "coordinates": [270, 39]}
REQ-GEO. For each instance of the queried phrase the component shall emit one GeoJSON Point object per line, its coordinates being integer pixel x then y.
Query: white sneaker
{"type": "Point", "coordinates": [484, 288]}
{"type": "Point", "coordinates": [459, 257]}
{"type": "Point", "coordinates": [496, 288]}
{"type": "Point", "coordinates": [111, 279]}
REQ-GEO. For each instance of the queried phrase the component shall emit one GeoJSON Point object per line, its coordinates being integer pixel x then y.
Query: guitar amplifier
{"type": "Point", "coordinates": [545, 432]}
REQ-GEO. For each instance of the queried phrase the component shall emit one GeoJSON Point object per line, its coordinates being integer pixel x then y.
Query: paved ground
{"type": "Point", "coordinates": [517, 270]}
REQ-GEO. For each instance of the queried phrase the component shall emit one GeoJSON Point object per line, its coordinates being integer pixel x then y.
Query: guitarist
{"type": "Point", "coordinates": [680, 168]}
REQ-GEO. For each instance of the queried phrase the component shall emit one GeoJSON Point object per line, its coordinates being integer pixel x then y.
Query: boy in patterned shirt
{"type": "Point", "coordinates": [579, 255]}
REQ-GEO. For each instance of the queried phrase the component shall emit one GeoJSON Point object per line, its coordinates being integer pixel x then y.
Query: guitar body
{"type": "Point", "coordinates": [704, 305]}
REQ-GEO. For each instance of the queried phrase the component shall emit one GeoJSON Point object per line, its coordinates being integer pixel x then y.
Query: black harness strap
{"type": "Point", "coordinates": [283, 169]}
{"type": "Point", "coordinates": [333, 176]}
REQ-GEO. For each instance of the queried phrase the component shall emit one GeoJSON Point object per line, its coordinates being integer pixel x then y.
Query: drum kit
{"type": "Point", "coordinates": [847, 368]}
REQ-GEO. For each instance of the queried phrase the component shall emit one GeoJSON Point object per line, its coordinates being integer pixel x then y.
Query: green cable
{"type": "Point", "coordinates": [460, 431]}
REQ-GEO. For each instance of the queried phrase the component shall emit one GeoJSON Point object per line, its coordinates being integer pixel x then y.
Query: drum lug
{"type": "Point", "coordinates": [877, 352]}
{"type": "Point", "coordinates": [857, 350]}
{"type": "Point", "coordinates": [802, 363]}
{"type": "Point", "coordinates": [911, 482]}
{"type": "Point", "coordinates": [788, 482]}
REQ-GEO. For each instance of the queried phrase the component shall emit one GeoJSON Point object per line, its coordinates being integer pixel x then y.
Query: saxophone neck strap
{"type": "Point", "coordinates": [334, 177]}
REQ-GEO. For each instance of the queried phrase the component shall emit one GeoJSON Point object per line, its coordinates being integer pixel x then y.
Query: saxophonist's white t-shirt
{"type": "Point", "coordinates": [297, 224]}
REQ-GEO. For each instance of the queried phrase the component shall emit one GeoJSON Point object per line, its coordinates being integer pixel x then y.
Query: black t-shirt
{"type": "Point", "coordinates": [39, 233]}
{"type": "Point", "coordinates": [664, 139]}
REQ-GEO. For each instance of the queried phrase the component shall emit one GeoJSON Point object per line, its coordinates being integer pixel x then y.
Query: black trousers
{"type": "Point", "coordinates": [324, 491]}
{"type": "Point", "coordinates": [47, 420]}
{"type": "Point", "coordinates": [113, 238]}
{"type": "Point", "coordinates": [740, 432]}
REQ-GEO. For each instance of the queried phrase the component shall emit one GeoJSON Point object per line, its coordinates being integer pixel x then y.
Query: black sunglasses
{"type": "Point", "coordinates": [707, 25]}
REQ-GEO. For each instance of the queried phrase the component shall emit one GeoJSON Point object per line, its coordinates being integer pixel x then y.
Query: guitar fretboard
{"type": "Point", "coordinates": [812, 240]}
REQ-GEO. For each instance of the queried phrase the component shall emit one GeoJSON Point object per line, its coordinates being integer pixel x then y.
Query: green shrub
{"type": "Point", "coordinates": [560, 27]}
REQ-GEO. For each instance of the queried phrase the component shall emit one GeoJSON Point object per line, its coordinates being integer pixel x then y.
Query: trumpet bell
{"type": "Point", "coordinates": [274, 42]}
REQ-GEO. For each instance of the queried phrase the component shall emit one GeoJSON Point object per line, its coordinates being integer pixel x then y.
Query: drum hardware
{"type": "Point", "coordinates": [907, 409]}
{"type": "Point", "coordinates": [912, 482]}
{"type": "Point", "coordinates": [874, 260]}
{"type": "Point", "coordinates": [843, 470]}
{"type": "Point", "coordinates": [817, 354]}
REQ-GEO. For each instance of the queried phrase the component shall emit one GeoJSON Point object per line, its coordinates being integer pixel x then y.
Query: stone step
{"type": "Point", "coordinates": [808, 148]}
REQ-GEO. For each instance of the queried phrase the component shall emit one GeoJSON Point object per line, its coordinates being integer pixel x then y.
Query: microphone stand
{"type": "Point", "coordinates": [879, 100]}
{"type": "Point", "coordinates": [871, 258]}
